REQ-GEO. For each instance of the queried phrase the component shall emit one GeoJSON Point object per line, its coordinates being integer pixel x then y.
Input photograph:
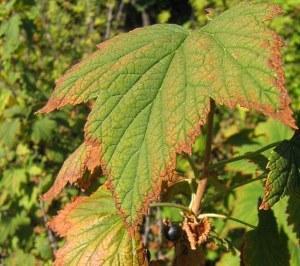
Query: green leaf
{"type": "Point", "coordinates": [9, 225]}
{"type": "Point", "coordinates": [5, 98]}
{"type": "Point", "coordinates": [286, 223]}
{"type": "Point", "coordinates": [265, 133]}
{"type": "Point", "coordinates": [19, 257]}
{"type": "Point", "coordinates": [42, 130]}
{"type": "Point", "coordinates": [12, 181]}
{"type": "Point", "coordinates": [9, 129]}
{"type": "Point", "coordinates": [293, 210]}
{"type": "Point", "coordinates": [246, 198]}
{"type": "Point", "coordinates": [152, 88]}
{"type": "Point", "coordinates": [11, 29]}
{"type": "Point", "coordinates": [43, 247]}
{"type": "Point", "coordinates": [271, 131]}
{"type": "Point", "coordinates": [265, 245]}
{"type": "Point", "coordinates": [229, 259]}
{"type": "Point", "coordinates": [284, 172]}
{"type": "Point", "coordinates": [95, 234]}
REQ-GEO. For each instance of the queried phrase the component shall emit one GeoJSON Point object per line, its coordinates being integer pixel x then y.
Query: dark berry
{"type": "Point", "coordinates": [173, 232]}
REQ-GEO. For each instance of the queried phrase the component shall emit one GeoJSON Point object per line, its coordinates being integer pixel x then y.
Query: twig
{"type": "Point", "coordinates": [120, 11]}
{"type": "Point", "coordinates": [145, 18]}
{"type": "Point", "coordinates": [247, 155]}
{"type": "Point", "coordinates": [260, 177]}
{"type": "Point", "coordinates": [225, 4]}
{"type": "Point", "coordinates": [109, 20]}
{"type": "Point", "coordinates": [146, 230]}
{"type": "Point", "coordinates": [196, 205]}
{"type": "Point", "coordinates": [160, 239]}
{"type": "Point", "coordinates": [222, 216]}
{"type": "Point", "coordinates": [171, 205]}
{"type": "Point", "coordinates": [51, 237]}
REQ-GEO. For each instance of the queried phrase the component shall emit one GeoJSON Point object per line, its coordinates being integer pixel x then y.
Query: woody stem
{"type": "Point", "coordinates": [196, 204]}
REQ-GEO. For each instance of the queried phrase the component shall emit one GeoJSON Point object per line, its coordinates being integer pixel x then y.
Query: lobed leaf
{"type": "Point", "coordinates": [152, 88]}
{"type": "Point", "coordinates": [95, 234]}
{"type": "Point", "coordinates": [284, 172]}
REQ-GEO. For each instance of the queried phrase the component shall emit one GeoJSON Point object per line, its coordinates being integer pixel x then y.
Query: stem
{"type": "Point", "coordinates": [192, 164]}
{"type": "Point", "coordinates": [109, 21]}
{"type": "Point", "coordinates": [222, 216]}
{"type": "Point", "coordinates": [225, 4]}
{"type": "Point", "coordinates": [247, 155]}
{"type": "Point", "coordinates": [262, 176]}
{"type": "Point", "coordinates": [196, 205]}
{"type": "Point", "coordinates": [171, 205]}
{"type": "Point", "coordinates": [51, 237]}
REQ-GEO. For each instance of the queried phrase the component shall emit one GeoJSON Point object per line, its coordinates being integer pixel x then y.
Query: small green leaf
{"type": "Point", "coordinates": [229, 259]}
{"type": "Point", "coordinates": [10, 224]}
{"type": "Point", "coordinates": [95, 234]}
{"type": "Point", "coordinates": [19, 257]}
{"type": "Point", "coordinates": [11, 29]}
{"type": "Point", "coordinates": [265, 245]}
{"type": "Point", "coordinates": [42, 129]}
{"type": "Point", "coordinates": [9, 129]}
{"type": "Point", "coordinates": [284, 172]}
{"type": "Point", "coordinates": [12, 180]}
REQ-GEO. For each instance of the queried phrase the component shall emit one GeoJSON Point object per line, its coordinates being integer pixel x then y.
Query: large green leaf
{"type": "Point", "coordinates": [265, 245]}
{"type": "Point", "coordinates": [284, 174]}
{"type": "Point", "coordinates": [95, 234]}
{"type": "Point", "coordinates": [246, 198]}
{"type": "Point", "coordinates": [152, 88]}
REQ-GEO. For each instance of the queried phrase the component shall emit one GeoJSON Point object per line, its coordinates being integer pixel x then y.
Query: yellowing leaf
{"type": "Point", "coordinates": [284, 175]}
{"type": "Point", "coordinates": [152, 88]}
{"type": "Point", "coordinates": [95, 234]}
{"type": "Point", "coordinates": [84, 158]}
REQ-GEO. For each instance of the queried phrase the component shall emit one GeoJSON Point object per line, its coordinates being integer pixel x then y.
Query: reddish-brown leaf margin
{"type": "Point", "coordinates": [168, 174]}
{"type": "Point", "coordinates": [61, 224]}
{"type": "Point", "coordinates": [82, 159]}
{"type": "Point", "coordinates": [284, 112]}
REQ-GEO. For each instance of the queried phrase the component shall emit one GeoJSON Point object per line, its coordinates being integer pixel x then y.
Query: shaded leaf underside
{"type": "Point", "coordinates": [265, 245]}
{"type": "Point", "coordinates": [152, 88]}
{"type": "Point", "coordinates": [284, 172]}
{"type": "Point", "coordinates": [95, 234]}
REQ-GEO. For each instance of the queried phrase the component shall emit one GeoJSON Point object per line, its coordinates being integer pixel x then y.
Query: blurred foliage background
{"type": "Point", "coordinates": [39, 40]}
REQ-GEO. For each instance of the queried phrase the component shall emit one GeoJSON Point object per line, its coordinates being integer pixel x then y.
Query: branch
{"type": "Point", "coordinates": [171, 205]}
{"type": "Point", "coordinates": [145, 18]}
{"type": "Point", "coordinates": [51, 237]}
{"type": "Point", "coordinates": [247, 155]}
{"type": "Point", "coordinates": [108, 22]}
{"type": "Point", "coordinates": [120, 11]}
{"type": "Point", "coordinates": [222, 216]}
{"type": "Point", "coordinates": [196, 205]}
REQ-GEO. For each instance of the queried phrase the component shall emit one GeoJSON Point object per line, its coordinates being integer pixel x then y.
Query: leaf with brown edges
{"type": "Point", "coordinates": [82, 159]}
{"type": "Point", "coordinates": [95, 234]}
{"type": "Point", "coordinates": [152, 88]}
{"type": "Point", "coordinates": [284, 172]}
